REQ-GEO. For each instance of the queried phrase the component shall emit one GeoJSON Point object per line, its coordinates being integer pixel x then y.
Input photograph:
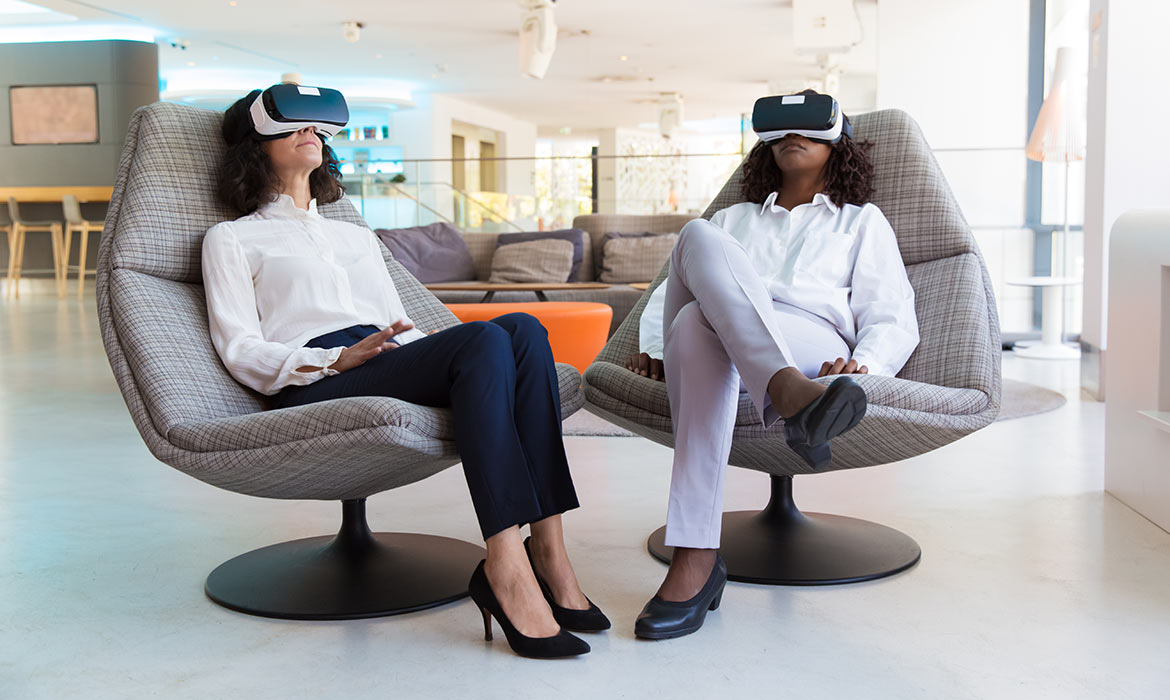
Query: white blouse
{"type": "Point", "coordinates": [840, 263]}
{"type": "Point", "coordinates": [280, 277]}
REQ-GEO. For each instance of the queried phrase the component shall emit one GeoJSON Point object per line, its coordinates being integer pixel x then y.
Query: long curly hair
{"type": "Point", "coordinates": [246, 179]}
{"type": "Point", "coordinates": [848, 172]}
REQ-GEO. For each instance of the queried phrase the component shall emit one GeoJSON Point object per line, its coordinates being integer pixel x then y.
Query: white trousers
{"type": "Point", "coordinates": [722, 328]}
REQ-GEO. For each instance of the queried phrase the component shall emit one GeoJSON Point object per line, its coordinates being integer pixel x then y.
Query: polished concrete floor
{"type": "Point", "coordinates": [1033, 583]}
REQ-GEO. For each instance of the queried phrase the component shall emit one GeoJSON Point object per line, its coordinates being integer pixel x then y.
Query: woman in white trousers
{"type": "Point", "coordinates": [803, 279]}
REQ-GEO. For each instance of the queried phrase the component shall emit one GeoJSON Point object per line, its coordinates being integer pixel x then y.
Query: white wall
{"type": "Point", "coordinates": [425, 132]}
{"type": "Point", "coordinates": [1125, 167]}
{"type": "Point", "coordinates": [960, 69]}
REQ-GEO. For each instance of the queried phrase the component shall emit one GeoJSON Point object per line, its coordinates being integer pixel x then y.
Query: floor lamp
{"type": "Point", "coordinates": [1056, 138]}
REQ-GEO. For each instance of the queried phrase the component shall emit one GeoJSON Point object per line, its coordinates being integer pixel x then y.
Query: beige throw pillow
{"type": "Point", "coordinates": [547, 260]}
{"type": "Point", "coordinates": [635, 259]}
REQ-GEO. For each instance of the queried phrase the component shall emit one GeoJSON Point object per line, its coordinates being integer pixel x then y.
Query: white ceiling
{"type": "Point", "coordinates": [718, 54]}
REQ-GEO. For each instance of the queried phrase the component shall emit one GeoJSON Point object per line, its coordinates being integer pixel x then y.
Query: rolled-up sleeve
{"type": "Point", "coordinates": [650, 324]}
{"type": "Point", "coordinates": [263, 365]}
{"type": "Point", "coordinates": [881, 298]}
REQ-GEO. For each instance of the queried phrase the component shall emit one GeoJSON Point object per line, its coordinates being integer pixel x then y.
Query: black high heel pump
{"type": "Point", "coordinates": [591, 620]}
{"type": "Point", "coordinates": [558, 645]}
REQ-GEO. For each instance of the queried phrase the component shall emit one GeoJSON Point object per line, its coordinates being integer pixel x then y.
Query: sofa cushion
{"type": "Point", "coordinates": [546, 260]}
{"type": "Point", "coordinates": [572, 235]}
{"type": "Point", "coordinates": [634, 258]}
{"type": "Point", "coordinates": [432, 253]}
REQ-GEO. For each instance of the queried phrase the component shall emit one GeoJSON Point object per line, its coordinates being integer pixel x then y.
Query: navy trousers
{"type": "Point", "coordinates": [500, 383]}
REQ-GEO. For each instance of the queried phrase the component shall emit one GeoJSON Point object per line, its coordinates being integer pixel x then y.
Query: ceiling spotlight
{"type": "Point", "coordinates": [180, 43]}
{"type": "Point", "coordinates": [623, 58]}
{"type": "Point", "coordinates": [352, 31]}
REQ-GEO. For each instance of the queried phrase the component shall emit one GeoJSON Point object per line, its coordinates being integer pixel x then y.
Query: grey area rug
{"type": "Point", "coordinates": [1019, 399]}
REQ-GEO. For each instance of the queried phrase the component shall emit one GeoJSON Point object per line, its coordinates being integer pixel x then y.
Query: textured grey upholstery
{"type": "Point", "coordinates": [950, 386]}
{"type": "Point", "coordinates": [188, 409]}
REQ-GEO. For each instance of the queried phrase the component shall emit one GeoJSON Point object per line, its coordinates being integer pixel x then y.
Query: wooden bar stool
{"type": "Point", "coordinates": [16, 245]}
{"type": "Point", "coordinates": [75, 222]}
{"type": "Point", "coordinates": [9, 237]}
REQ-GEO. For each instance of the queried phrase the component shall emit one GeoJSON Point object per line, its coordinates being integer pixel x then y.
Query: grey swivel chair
{"type": "Point", "coordinates": [196, 418]}
{"type": "Point", "coordinates": [949, 388]}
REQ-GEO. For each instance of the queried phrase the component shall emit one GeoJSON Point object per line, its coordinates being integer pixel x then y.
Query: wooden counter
{"type": "Point", "coordinates": [55, 194]}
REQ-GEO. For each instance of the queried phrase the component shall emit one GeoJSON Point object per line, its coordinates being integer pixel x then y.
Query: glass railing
{"type": "Point", "coordinates": [533, 194]}
{"type": "Point", "coordinates": [530, 194]}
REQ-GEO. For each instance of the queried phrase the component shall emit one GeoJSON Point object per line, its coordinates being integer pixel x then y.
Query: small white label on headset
{"type": "Point", "coordinates": [792, 100]}
{"type": "Point", "coordinates": [317, 93]}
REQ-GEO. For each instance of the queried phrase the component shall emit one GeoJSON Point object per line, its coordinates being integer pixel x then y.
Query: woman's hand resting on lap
{"type": "Point", "coordinates": [840, 366]}
{"type": "Point", "coordinates": [646, 366]}
{"type": "Point", "coordinates": [357, 354]}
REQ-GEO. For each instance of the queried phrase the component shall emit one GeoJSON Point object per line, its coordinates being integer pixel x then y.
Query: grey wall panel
{"type": "Point", "coordinates": [126, 75]}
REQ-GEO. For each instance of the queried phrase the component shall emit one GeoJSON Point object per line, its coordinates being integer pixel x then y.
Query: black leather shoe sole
{"type": "Point", "coordinates": [841, 408]}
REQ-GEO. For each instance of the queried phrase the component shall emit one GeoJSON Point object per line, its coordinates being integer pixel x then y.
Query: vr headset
{"type": "Point", "coordinates": [282, 109]}
{"type": "Point", "coordinates": [816, 117]}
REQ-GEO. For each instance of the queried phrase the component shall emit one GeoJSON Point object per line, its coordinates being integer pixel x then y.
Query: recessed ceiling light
{"type": "Point", "coordinates": [623, 58]}
{"type": "Point", "coordinates": [233, 3]}
{"type": "Point", "coordinates": [377, 55]}
{"type": "Point", "coordinates": [191, 63]}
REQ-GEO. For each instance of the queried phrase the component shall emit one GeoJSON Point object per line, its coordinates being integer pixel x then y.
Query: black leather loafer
{"type": "Point", "coordinates": [666, 619]}
{"type": "Point", "coordinates": [839, 409]}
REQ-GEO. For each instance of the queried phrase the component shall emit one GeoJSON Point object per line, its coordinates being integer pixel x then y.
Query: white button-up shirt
{"type": "Point", "coordinates": [282, 276]}
{"type": "Point", "coordinates": [840, 263]}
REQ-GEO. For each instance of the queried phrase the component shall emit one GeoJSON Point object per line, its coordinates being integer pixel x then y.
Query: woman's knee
{"type": "Point", "coordinates": [690, 327]}
{"type": "Point", "coordinates": [521, 324]}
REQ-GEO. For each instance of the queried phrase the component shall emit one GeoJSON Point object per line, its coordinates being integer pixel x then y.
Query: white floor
{"type": "Point", "coordinates": [1033, 583]}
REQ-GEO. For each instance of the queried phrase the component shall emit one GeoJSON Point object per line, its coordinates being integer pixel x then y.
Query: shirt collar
{"type": "Point", "coordinates": [283, 207]}
{"type": "Point", "coordinates": [818, 198]}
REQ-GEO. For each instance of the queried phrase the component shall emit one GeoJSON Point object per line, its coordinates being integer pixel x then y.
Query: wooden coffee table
{"type": "Point", "coordinates": [489, 289]}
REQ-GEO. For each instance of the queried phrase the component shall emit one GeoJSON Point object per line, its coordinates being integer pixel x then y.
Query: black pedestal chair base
{"type": "Point", "coordinates": [352, 575]}
{"type": "Point", "coordinates": [782, 546]}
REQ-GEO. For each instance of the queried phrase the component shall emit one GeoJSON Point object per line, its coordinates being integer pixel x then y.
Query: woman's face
{"type": "Point", "coordinates": [795, 153]}
{"type": "Point", "coordinates": [300, 151]}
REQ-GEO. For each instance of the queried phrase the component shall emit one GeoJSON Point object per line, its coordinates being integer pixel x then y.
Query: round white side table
{"type": "Point", "coordinates": [1050, 346]}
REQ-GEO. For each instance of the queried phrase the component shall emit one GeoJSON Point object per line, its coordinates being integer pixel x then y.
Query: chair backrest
{"type": "Point", "coordinates": [72, 209]}
{"type": "Point", "coordinates": [150, 296]}
{"type": "Point", "coordinates": [955, 303]}
{"type": "Point", "coordinates": [14, 210]}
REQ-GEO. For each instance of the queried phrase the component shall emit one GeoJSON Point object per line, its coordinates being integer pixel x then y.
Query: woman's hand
{"type": "Point", "coordinates": [370, 346]}
{"type": "Point", "coordinates": [840, 366]}
{"type": "Point", "coordinates": [646, 366]}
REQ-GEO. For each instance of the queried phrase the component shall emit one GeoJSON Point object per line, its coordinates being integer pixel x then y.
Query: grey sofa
{"type": "Point", "coordinates": [949, 388]}
{"type": "Point", "coordinates": [194, 417]}
{"type": "Point", "coordinates": [620, 297]}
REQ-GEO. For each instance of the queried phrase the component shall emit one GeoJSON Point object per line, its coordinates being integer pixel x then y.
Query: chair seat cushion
{"type": "Point", "coordinates": [405, 424]}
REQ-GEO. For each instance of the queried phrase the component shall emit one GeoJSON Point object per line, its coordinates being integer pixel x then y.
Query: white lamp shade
{"type": "Point", "coordinates": [1057, 135]}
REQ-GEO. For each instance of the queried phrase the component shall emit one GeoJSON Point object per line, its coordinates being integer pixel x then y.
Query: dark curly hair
{"type": "Point", "coordinates": [246, 180]}
{"type": "Point", "coordinates": [848, 172]}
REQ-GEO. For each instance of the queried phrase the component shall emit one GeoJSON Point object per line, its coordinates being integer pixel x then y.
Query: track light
{"type": "Point", "coordinates": [538, 37]}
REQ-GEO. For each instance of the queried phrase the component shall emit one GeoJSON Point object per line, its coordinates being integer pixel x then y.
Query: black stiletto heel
{"type": "Point", "coordinates": [487, 624]}
{"type": "Point", "coordinates": [591, 620]}
{"type": "Point", "coordinates": [558, 645]}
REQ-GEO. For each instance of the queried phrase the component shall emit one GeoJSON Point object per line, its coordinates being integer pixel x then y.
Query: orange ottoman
{"type": "Point", "coordinates": [576, 329]}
